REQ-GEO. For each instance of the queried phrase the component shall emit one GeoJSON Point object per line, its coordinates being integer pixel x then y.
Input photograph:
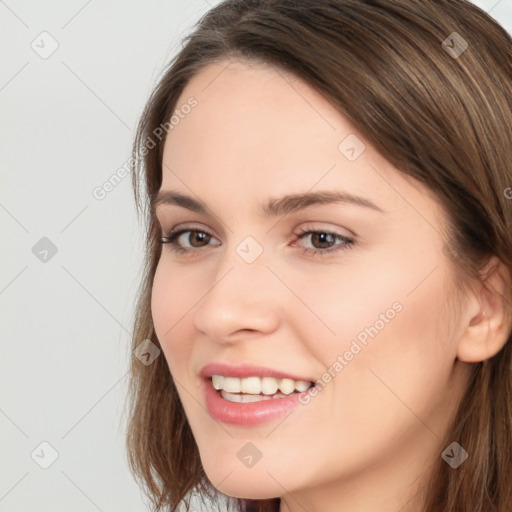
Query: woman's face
{"type": "Point", "coordinates": [353, 297]}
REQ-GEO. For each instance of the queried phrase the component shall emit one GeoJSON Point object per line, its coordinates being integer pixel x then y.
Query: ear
{"type": "Point", "coordinates": [488, 317]}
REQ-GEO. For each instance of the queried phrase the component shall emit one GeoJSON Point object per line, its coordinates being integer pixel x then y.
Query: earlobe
{"type": "Point", "coordinates": [489, 322]}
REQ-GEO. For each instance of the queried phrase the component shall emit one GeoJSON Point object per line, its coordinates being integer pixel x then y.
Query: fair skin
{"type": "Point", "coordinates": [366, 440]}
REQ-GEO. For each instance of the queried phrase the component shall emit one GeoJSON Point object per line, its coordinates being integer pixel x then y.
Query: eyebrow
{"type": "Point", "coordinates": [274, 207]}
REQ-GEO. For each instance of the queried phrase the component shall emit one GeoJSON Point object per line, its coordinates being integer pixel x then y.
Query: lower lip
{"type": "Point", "coordinates": [247, 414]}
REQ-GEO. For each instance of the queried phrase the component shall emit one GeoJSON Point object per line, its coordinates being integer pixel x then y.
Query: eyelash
{"type": "Point", "coordinates": [174, 235]}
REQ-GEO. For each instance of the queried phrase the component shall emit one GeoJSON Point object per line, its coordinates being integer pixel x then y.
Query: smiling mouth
{"type": "Point", "coordinates": [257, 389]}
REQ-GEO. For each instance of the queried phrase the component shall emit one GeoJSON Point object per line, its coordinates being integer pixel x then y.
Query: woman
{"type": "Point", "coordinates": [328, 267]}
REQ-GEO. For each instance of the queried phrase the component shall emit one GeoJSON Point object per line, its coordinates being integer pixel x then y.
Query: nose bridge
{"type": "Point", "coordinates": [241, 295]}
{"type": "Point", "coordinates": [242, 267]}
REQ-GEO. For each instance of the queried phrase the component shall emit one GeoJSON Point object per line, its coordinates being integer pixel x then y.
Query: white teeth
{"type": "Point", "coordinates": [250, 385]}
{"type": "Point", "coordinates": [256, 385]}
{"type": "Point", "coordinates": [231, 384]}
{"type": "Point", "coordinates": [217, 381]}
{"type": "Point", "coordinates": [287, 386]}
{"type": "Point", "coordinates": [302, 385]}
{"type": "Point", "coordinates": [269, 385]}
{"type": "Point", "coordinates": [244, 398]}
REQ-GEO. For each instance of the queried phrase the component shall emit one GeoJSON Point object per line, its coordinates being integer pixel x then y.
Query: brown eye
{"type": "Point", "coordinates": [324, 242]}
{"type": "Point", "coordinates": [184, 240]}
{"type": "Point", "coordinates": [196, 238]}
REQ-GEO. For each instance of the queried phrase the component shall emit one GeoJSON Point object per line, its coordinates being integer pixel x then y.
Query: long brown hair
{"type": "Point", "coordinates": [436, 105]}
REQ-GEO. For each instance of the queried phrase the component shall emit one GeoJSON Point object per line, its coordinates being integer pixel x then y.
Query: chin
{"type": "Point", "coordinates": [244, 483]}
{"type": "Point", "coordinates": [250, 492]}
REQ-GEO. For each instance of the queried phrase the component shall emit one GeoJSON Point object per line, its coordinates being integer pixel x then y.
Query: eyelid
{"type": "Point", "coordinates": [187, 227]}
{"type": "Point", "coordinates": [308, 226]}
{"type": "Point", "coordinates": [347, 242]}
{"type": "Point", "coordinates": [326, 227]}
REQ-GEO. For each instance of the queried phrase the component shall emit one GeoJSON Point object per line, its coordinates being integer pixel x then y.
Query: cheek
{"type": "Point", "coordinates": [173, 296]}
{"type": "Point", "coordinates": [390, 345]}
{"type": "Point", "coordinates": [170, 302]}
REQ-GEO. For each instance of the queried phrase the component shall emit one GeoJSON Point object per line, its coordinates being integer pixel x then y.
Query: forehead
{"type": "Point", "coordinates": [257, 130]}
{"type": "Point", "coordinates": [246, 107]}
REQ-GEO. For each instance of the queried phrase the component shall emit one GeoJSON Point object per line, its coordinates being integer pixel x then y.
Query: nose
{"type": "Point", "coordinates": [243, 300]}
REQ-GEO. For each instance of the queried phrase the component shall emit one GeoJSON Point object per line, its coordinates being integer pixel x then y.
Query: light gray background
{"type": "Point", "coordinates": [67, 123]}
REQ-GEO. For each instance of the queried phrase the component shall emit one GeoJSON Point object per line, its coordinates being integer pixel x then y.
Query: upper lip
{"type": "Point", "coordinates": [246, 370]}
